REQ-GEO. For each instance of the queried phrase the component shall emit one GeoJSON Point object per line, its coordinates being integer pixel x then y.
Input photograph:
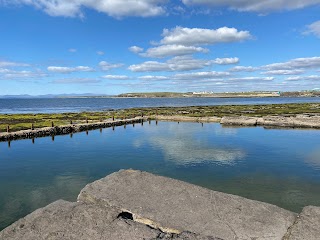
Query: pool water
{"type": "Point", "coordinates": [278, 166]}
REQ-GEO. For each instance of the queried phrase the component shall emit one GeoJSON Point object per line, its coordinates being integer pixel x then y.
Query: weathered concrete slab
{"type": "Point", "coordinates": [188, 119]}
{"type": "Point", "coordinates": [299, 121]}
{"type": "Point", "coordinates": [240, 120]}
{"type": "Point", "coordinates": [307, 121]}
{"type": "Point", "coordinates": [277, 121]}
{"type": "Point", "coordinates": [175, 206]}
{"type": "Point", "coordinates": [66, 220]}
{"type": "Point", "coordinates": [307, 226]}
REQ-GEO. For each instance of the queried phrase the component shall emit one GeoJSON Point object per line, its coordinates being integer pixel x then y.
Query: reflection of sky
{"type": "Point", "coordinates": [314, 158]}
{"type": "Point", "coordinates": [276, 166]}
{"type": "Point", "coordinates": [182, 145]}
{"type": "Point", "coordinates": [186, 151]}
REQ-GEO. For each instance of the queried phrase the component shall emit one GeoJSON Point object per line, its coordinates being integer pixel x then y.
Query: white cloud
{"type": "Point", "coordinates": [201, 75]}
{"type": "Point", "coordinates": [314, 28]}
{"type": "Point", "coordinates": [116, 77]}
{"type": "Point", "coordinates": [252, 79]}
{"type": "Point", "coordinates": [301, 78]}
{"type": "Point", "coordinates": [113, 8]}
{"type": "Point", "coordinates": [261, 6]}
{"type": "Point", "coordinates": [135, 49]}
{"type": "Point", "coordinates": [150, 66]}
{"type": "Point", "coordinates": [72, 50]}
{"type": "Point", "coordinates": [153, 78]}
{"type": "Point", "coordinates": [69, 69]}
{"type": "Point", "coordinates": [101, 53]}
{"type": "Point", "coordinates": [10, 74]}
{"type": "Point", "coordinates": [76, 81]}
{"type": "Point", "coordinates": [105, 66]}
{"type": "Point", "coordinates": [226, 61]}
{"type": "Point", "coordinates": [243, 69]}
{"type": "Point", "coordinates": [4, 70]}
{"type": "Point", "coordinates": [201, 36]}
{"type": "Point", "coordinates": [181, 63]}
{"type": "Point", "coordinates": [13, 64]}
{"type": "Point", "coordinates": [294, 64]}
{"type": "Point", "coordinates": [172, 50]}
{"type": "Point", "coordinates": [283, 72]}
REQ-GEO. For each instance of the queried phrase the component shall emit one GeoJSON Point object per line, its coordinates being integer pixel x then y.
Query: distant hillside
{"type": "Point", "coordinates": [156, 95]}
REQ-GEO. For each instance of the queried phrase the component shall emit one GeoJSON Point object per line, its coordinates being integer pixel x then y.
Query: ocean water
{"type": "Point", "coordinates": [281, 167]}
{"type": "Point", "coordinates": [59, 105]}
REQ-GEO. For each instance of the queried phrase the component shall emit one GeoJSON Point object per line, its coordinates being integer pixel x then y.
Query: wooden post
{"type": "Point", "coordinates": [87, 120]}
{"type": "Point", "coordinates": [113, 118]}
{"type": "Point", "coordinates": [142, 114]}
{"type": "Point", "coordinates": [32, 126]}
{"type": "Point", "coordinates": [52, 124]}
{"type": "Point", "coordinates": [70, 121]}
{"type": "Point", "coordinates": [8, 129]}
{"type": "Point", "coordinates": [100, 120]}
{"type": "Point", "coordinates": [157, 112]}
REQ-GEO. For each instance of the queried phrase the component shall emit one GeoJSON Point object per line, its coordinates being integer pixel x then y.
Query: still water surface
{"type": "Point", "coordinates": [276, 166]}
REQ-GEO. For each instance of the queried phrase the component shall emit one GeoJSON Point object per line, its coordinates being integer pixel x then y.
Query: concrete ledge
{"type": "Point", "coordinates": [132, 204]}
{"type": "Point", "coordinates": [242, 121]}
{"type": "Point", "coordinates": [188, 119]}
{"type": "Point", "coordinates": [307, 225]}
{"type": "Point", "coordinates": [67, 129]}
{"type": "Point", "coordinates": [300, 121]}
{"type": "Point", "coordinates": [79, 221]}
{"type": "Point", "coordinates": [175, 206]}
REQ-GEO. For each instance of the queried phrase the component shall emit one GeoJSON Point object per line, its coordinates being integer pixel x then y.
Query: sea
{"type": "Point", "coordinates": [60, 105]}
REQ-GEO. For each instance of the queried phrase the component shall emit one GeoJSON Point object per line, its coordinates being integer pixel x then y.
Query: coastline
{"type": "Point", "coordinates": [302, 121]}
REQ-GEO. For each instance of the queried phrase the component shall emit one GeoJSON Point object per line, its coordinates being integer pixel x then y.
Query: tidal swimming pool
{"type": "Point", "coordinates": [277, 166]}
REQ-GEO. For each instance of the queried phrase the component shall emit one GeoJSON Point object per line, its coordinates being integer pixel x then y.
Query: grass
{"type": "Point", "coordinates": [24, 121]}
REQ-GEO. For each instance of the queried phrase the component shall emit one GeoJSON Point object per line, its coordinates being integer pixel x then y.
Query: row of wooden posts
{"type": "Point", "coordinates": [87, 132]}
{"type": "Point", "coordinates": [71, 122]}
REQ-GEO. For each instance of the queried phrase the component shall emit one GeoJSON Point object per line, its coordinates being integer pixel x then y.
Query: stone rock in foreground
{"type": "Point", "coordinates": [175, 206]}
{"type": "Point", "coordinates": [80, 221]}
{"type": "Point", "coordinates": [307, 225]}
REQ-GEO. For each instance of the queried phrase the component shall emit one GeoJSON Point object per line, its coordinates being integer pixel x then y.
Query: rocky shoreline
{"type": "Point", "coordinates": [311, 121]}
{"type": "Point", "coordinates": [133, 205]}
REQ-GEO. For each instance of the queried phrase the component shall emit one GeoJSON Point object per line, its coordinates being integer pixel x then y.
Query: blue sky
{"type": "Point", "coordinates": [116, 46]}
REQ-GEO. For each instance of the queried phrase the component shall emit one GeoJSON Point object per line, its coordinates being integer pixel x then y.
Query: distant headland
{"type": "Point", "coordinates": [312, 93]}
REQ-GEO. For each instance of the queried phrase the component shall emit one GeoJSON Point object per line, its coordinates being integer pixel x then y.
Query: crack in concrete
{"type": "Point", "coordinates": [289, 230]}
